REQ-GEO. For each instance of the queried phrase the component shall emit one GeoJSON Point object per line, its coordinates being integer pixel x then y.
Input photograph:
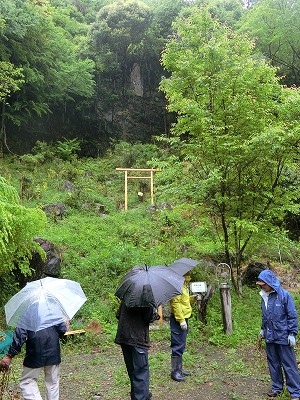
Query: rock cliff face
{"type": "Point", "coordinates": [50, 266]}
{"type": "Point", "coordinates": [140, 111]}
{"type": "Point", "coordinates": [136, 83]}
{"type": "Point", "coordinates": [130, 109]}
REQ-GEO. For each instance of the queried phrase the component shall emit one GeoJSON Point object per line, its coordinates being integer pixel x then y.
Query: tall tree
{"type": "Point", "coordinates": [11, 80]}
{"type": "Point", "coordinates": [238, 129]}
{"type": "Point", "coordinates": [53, 70]}
{"type": "Point", "coordinates": [276, 25]}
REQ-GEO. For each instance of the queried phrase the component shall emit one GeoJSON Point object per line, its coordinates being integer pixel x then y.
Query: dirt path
{"type": "Point", "coordinates": [217, 374]}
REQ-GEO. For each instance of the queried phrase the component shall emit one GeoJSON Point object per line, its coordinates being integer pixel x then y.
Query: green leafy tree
{"type": "Point", "coordinates": [11, 80]}
{"type": "Point", "coordinates": [19, 225]}
{"type": "Point", "coordinates": [36, 40]}
{"type": "Point", "coordinates": [227, 11]}
{"type": "Point", "coordinates": [276, 25]}
{"type": "Point", "coordinates": [237, 129]}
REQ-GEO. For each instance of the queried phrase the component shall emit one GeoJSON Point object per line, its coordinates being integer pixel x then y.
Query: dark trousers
{"type": "Point", "coordinates": [136, 361]}
{"type": "Point", "coordinates": [283, 357]}
{"type": "Point", "coordinates": [178, 337]}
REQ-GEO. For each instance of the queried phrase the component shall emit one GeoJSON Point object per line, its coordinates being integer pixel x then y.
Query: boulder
{"type": "Point", "coordinates": [251, 273]}
{"type": "Point", "coordinates": [55, 209]}
{"type": "Point", "coordinates": [50, 266]}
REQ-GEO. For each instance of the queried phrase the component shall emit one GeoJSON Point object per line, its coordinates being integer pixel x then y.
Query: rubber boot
{"type": "Point", "coordinates": [182, 372]}
{"type": "Point", "coordinates": [148, 398]}
{"type": "Point", "coordinates": [175, 369]}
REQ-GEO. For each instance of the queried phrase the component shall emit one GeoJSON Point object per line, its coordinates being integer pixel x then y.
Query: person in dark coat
{"type": "Point", "coordinates": [42, 353]}
{"type": "Point", "coordinates": [133, 336]}
{"type": "Point", "coordinates": [279, 329]}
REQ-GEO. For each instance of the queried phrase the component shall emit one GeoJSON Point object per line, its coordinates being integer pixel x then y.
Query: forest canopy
{"type": "Point", "coordinates": [91, 69]}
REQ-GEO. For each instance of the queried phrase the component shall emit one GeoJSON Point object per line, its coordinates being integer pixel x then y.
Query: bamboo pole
{"type": "Point", "coordinates": [151, 189]}
{"type": "Point", "coordinates": [160, 313]}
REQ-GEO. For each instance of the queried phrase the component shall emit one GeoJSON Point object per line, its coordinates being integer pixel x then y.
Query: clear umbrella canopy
{"type": "Point", "coordinates": [44, 303]}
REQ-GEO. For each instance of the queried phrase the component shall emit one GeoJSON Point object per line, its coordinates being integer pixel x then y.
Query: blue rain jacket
{"type": "Point", "coordinates": [280, 318]}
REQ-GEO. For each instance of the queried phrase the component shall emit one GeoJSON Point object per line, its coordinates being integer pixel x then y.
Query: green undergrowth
{"type": "Point", "coordinates": [98, 248]}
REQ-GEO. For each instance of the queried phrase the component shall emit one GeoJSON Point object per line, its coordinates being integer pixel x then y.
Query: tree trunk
{"type": "Point", "coordinates": [202, 302]}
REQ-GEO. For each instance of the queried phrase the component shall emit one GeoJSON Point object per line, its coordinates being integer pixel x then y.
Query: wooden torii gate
{"type": "Point", "coordinates": [150, 176]}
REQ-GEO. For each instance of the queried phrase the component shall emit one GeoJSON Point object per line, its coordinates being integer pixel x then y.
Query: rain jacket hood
{"type": "Point", "coordinates": [279, 315]}
{"type": "Point", "coordinates": [270, 279]}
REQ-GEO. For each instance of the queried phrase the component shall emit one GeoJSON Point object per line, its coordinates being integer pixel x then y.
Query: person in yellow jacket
{"type": "Point", "coordinates": [181, 311]}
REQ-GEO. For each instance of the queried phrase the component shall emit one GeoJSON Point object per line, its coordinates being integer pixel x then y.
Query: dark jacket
{"type": "Point", "coordinates": [42, 347]}
{"type": "Point", "coordinates": [133, 326]}
{"type": "Point", "coordinates": [279, 318]}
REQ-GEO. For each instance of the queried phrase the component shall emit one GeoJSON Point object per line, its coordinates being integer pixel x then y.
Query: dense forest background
{"type": "Point", "coordinates": [90, 69]}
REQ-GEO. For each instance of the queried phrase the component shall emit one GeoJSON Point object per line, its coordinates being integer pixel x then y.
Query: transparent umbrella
{"type": "Point", "coordinates": [43, 303]}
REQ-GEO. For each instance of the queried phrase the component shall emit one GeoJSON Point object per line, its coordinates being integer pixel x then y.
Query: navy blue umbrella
{"type": "Point", "coordinates": [183, 265]}
{"type": "Point", "coordinates": [145, 286]}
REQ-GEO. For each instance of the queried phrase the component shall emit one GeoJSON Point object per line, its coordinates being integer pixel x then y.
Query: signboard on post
{"type": "Point", "coordinates": [198, 287]}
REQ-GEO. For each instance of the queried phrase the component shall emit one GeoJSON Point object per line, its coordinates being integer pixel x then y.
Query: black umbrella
{"type": "Point", "coordinates": [149, 286]}
{"type": "Point", "coordinates": [183, 265]}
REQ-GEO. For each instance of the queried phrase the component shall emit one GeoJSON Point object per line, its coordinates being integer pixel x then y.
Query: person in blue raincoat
{"type": "Point", "coordinates": [279, 329]}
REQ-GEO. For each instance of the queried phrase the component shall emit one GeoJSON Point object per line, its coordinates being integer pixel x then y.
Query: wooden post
{"type": "Point", "coordinates": [126, 194]}
{"type": "Point", "coordinates": [202, 302]}
{"type": "Point", "coordinates": [226, 308]}
{"type": "Point", "coordinates": [151, 189]}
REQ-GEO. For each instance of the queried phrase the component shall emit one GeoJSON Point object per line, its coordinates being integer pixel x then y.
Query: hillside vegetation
{"type": "Point", "coordinates": [99, 241]}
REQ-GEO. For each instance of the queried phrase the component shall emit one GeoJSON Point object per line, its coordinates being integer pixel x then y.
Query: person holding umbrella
{"type": "Point", "coordinates": [181, 310]}
{"type": "Point", "coordinates": [142, 290]}
{"type": "Point", "coordinates": [42, 353]}
{"type": "Point", "coordinates": [40, 312]}
{"type": "Point", "coordinates": [133, 337]}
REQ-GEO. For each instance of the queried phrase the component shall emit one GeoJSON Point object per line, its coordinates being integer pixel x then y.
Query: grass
{"type": "Point", "coordinates": [97, 250]}
{"type": "Point", "coordinates": [92, 363]}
